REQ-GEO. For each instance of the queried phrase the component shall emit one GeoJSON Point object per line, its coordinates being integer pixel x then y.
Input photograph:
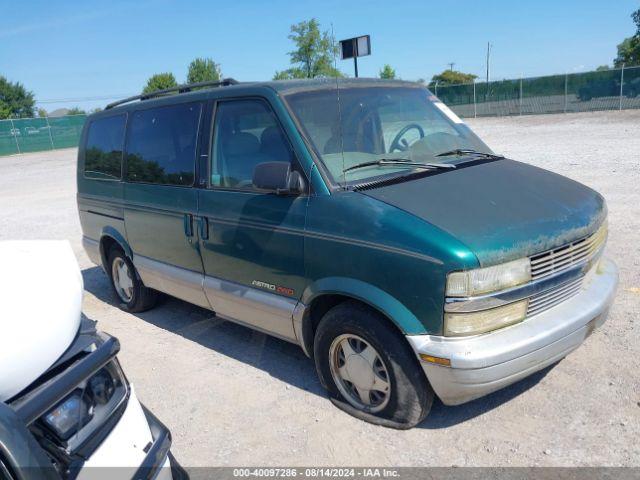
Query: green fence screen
{"type": "Point", "coordinates": [22, 135]}
{"type": "Point", "coordinates": [575, 92]}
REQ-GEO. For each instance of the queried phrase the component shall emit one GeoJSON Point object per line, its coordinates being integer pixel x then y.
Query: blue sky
{"type": "Point", "coordinates": [76, 50]}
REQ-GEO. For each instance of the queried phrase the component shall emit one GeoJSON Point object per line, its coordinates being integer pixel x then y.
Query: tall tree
{"type": "Point", "coordinates": [452, 77]}
{"type": "Point", "coordinates": [42, 113]}
{"type": "Point", "coordinates": [313, 55]}
{"type": "Point", "coordinates": [203, 70]}
{"type": "Point", "coordinates": [387, 72]}
{"type": "Point", "coordinates": [629, 48]}
{"type": "Point", "coordinates": [15, 100]}
{"type": "Point", "coordinates": [160, 81]}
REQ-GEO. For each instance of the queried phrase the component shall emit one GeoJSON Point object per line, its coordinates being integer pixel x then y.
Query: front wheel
{"type": "Point", "coordinates": [369, 368]}
{"type": "Point", "coordinates": [132, 294]}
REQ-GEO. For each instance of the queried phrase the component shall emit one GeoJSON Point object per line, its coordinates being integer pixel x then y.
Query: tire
{"type": "Point", "coordinates": [408, 396]}
{"type": "Point", "coordinates": [137, 298]}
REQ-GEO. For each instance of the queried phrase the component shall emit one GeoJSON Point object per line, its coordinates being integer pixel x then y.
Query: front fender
{"type": "Point", "coordinates": [114, 234]}
{"type": "Point", "coordinates": [369, 294]}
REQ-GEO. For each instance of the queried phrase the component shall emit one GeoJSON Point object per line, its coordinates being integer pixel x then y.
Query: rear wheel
{"type": "Point", "coordinates": [369, 369]}
{"type": "Point", "coordinates": [133, 296]}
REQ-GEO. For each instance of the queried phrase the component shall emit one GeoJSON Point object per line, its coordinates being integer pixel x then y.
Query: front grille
{"type": "Point", "coordinates": [565, 257]}
{"type": "Point", "coordinates": [545, 300]}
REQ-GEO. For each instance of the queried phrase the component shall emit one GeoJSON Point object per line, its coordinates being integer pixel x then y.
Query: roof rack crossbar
{"type": "Point", "coordinates": [180, 89]}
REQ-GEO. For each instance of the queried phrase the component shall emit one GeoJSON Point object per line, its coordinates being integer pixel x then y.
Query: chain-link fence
{"type": "Point", "coordinates": [20, 135]}
{"type": "Point", "coordinates": [574, 92]}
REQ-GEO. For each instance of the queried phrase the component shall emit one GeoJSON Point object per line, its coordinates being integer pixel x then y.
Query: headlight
{"type": "Point", "coordinates": [102, 386]}
{"type": "Point", "coordinates": [70, 415]}
{"type": "Point", "coordinates": [458, 324]}
{"type": "Point", "coordinates": [87, 407]}
{"type": "Point", "coordinates": [490, 279]}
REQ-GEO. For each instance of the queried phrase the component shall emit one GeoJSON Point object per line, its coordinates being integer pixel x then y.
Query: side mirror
{"type": "Point", "coordinates": [278, 177]}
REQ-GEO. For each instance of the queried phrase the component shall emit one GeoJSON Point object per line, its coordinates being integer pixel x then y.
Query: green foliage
{"type": "Point", "coordinates": [628, 52]}
{"type": "Point", "coordinates": [289, 74]}
{"type": "Point", "coordinates": [76, 111]}
{"type": "Point", "coordinates": [603, 68]}
{"type": "Point", "coordinates": [160, 81]}
{"type": "Point", "coordinates": [387, 72]}
{"type": "Point", "coordinates": [96, 110]}
{"type": "Point", "coordinates": [15, 100]}
{"type": "Point", "coordinates": [42, 113]}
{"type": "Point", "coordinates": [203, 70]}
{"type": "Point", "coordinates": [313, 55]}
{"type": "Point", "coordinates": [452, 77]}
{"type": "Point", "coordinates": [629, 49]}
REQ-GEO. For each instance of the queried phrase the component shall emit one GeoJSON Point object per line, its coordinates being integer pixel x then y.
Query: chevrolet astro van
{"type": "Point", "coordinates": [358, 218]}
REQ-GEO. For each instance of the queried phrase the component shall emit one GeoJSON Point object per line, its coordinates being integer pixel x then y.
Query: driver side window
{"type": "Point", "coordinates": [246, 133]}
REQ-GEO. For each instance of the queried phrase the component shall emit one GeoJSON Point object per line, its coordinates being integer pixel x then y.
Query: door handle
{"type": "Point", "coordinates": [188, 225]}
{"type": "Point", "coordinates": [204, 228]}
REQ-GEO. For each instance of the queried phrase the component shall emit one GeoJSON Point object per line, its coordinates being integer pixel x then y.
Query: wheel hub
{"type": "Point", "coordinates": [122, 280]}
{"type": "Point", "coordinates": [359, 373]}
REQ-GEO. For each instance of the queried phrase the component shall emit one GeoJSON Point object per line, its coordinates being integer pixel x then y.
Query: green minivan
{"type": "Point", "coordinates": [358, 218]}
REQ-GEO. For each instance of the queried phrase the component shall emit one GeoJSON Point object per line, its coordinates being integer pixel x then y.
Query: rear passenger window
{"type": "Point", "coordinates": [161, 145]}
{"type": "Point", "coordinates": [246, 133]}
{"type": "Point", "coordinates": [103, 150]}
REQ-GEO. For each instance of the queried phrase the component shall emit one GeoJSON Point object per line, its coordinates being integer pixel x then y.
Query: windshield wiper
{"type": "Point", "coordinates": [467, 151]}
{"type": "Point", "coordinates": [399, 161]}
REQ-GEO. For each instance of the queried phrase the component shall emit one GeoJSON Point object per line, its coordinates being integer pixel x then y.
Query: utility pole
{"type": "Point", "coordinates": [451, 64]}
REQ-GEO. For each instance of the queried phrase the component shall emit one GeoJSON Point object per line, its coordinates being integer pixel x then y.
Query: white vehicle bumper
{"type": "Point", "coordinates": [138, 446]}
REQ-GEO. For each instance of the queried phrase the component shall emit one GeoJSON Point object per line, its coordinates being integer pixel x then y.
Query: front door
{"type": "Point", "coordinates": [160, 200]}
{"type": "Point", "coordinates": [251, 242]}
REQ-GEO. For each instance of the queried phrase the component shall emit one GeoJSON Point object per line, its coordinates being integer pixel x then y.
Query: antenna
{"type": "Point", "coordinates": [333, 50]}
{"type": "Point", "coordinates": [339, 112]}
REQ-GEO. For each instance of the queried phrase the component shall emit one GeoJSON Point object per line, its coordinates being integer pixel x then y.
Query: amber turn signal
{"type": "Point", "coordinates": [438, 360]}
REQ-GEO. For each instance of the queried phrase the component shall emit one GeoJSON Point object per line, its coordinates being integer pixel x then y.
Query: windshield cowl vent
{"type": "Point", "coordinates": [392, 181]}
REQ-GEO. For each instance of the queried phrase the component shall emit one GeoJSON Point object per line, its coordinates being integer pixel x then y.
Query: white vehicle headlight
{"type": "Point", "coordinates": [490, 279]}
{"type": "Point", "coordinates": [473, 323]}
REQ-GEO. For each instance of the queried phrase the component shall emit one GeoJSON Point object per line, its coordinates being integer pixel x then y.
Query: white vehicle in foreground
{"type": "Point", "coordinates": [66, 407]}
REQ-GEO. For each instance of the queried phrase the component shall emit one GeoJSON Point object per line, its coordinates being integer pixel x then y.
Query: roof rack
{"type": "Point", "coordinates": [180, 89]}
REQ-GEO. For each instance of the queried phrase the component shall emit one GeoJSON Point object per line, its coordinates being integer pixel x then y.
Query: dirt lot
{"type": "Point", "coordinates": [233, 397]}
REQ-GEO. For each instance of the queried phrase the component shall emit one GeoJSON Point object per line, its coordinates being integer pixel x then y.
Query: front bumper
{"type": "Point", "coordinates": [138, 447]}
{"type": "Point", "coordinates": [485, 363]}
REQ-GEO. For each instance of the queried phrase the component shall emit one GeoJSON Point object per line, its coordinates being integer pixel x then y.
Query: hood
{"type": "Point", "coordinates": [40, 304]}
{"type": "Point", "coordinates": [501, 210]}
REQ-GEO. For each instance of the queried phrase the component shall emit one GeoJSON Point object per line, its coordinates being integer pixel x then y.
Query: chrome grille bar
{"type": "Point", "coordinates": [545, 300]}
{"type": "Point", "coordinates": [562, 258]}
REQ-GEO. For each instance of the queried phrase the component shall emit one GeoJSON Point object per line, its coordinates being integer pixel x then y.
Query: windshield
{"type": "Point", "coordinates": [368, 123]}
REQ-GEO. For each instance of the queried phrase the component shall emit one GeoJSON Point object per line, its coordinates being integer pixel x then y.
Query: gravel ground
{"type": "Point", "coordinates": [234, 397]}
